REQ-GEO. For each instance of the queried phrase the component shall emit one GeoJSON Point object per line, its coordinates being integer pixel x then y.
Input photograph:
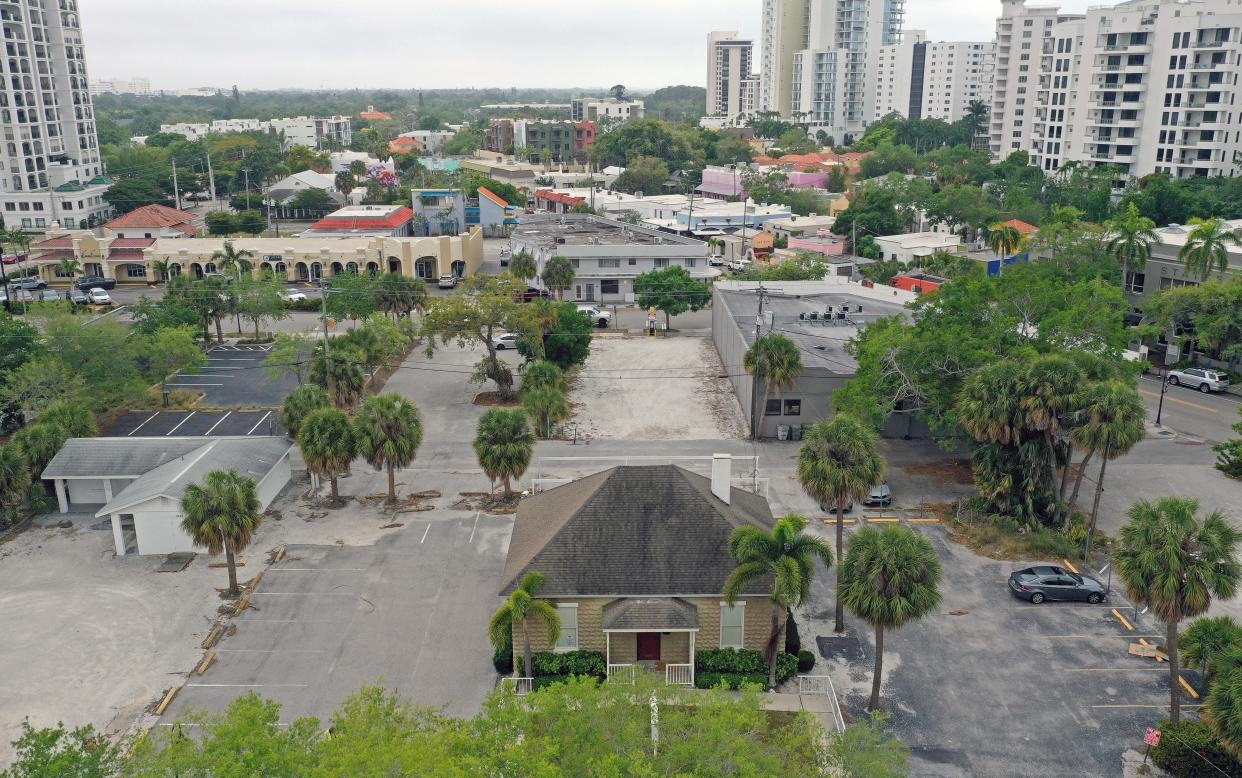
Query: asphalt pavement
{"type": "Point", "coordinates": [1207, 417]}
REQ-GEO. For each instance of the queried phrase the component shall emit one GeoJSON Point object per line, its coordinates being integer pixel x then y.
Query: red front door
{"type": "Point", "coordinates": [649, 646]}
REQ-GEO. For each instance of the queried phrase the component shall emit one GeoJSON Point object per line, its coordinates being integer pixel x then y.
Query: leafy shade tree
{"type": "Point", "coordinates": [1207, 247]}
{"type": "Point", "coordinates": [1174, 563]}
{"type": "Point", "coordinates": [568, 341]}
{"type": "Point", "coordinates": [261, 300]}
{"type": "Point", "coordinates": [558, 274]}
{"type": "Point", "coordinates": [523, 266]}
{"type": "Point", "coordinates": [796, 141]}
{"type": "Point", "coordinates": [14, 478]}
{"type": "Point", "coordinates": [838, 463]}
{"type": "Point", "coordinates": [300, 403]}
{"type": "Point", "coordinates": [55, 751]}
{"type": "Point", "coordinates": [221, 223]}
{"type": "Point", "coordinates": [1206, 639]}
{"type": "Point", "coordinates": [1005, 239]}
{"type": "Point", "coordinates": [643, 174]}
{"type": "Point", "coordinates": [521, 609]}
{"type": "Point", "coordinates": [38, 444]}
{"type": "Point", "coordinates": [313, 200]}
{"type": "Point", "coordinates": [171, 350]}
{"type": "Point", "coordinates": [290, 355]}
{"type": "Point", "coordinates": [475, 316]}
{"type": "Point", "coordinates": [326, 438]}
{"type": "Point", "coordinates": [75, 419]}
{"type": "Point", "coordinates": [389, 431]}
{"type": "Point", "coordinates": [889, 576]}
{"type": "Point", "coordinates": [1132, 236]}
{"type": "Point", "coordinates": [504, 445]}
{"type": "Point", "coordinates": [785, 555]}
{"type": "Point", "coordinates": [672, 291]}
{"type": "Point", "coordinates": [775, 360]}
{"type": "Point", "coordinates": [131, 193]}
{"type": "Point", "coordinates": [1112, 420]}
{"type": "Point", "coordinates": [222, 514]}
{"type": "Point", "coordinates": [1229, 453]}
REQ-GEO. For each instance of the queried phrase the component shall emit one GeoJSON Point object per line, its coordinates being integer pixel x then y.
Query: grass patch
{"type": "Point", "coordinates": [999, 537]}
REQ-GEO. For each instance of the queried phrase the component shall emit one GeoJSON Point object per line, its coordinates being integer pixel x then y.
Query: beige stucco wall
{"type": "Point", "coordinates": [674, 646]}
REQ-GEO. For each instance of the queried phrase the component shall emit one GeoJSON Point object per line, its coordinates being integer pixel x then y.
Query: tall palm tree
{"type": "Point", "coordinates": [163, 267]}
{"type": "Point", "coordinates": [521, 607]}
{"type": "Point", "coordinates": [1205, 639]}
{"type": "Point", "coordinates": [1207, 247]}
{"type": "Point", "coordinates": [522, 265]}
{"type": "Point", "coordinates": [889, 576]}
{"type": "Point", "coordinates": [222, 514]}
{"type": "Point", "coordinates": [558, 274]}
{"type": "Point", "coordinates": [976, 116]}
{"type": "Point", "coordinates": [339, 372]}
{"type": "Point", "coordinates": [300, 403]}
{"type": "Point", "coordinates": [1005, 240]}
{"type": "Point", "coordinates": [1132, 236]}
{"type": "Point", "coordinates": [504, 445]}
{"type": "Point", "coordinates": [777, 361]}
{"type": "Point", "coordinates": [14, 476]}
{"type": "Point", "coordinates": [787, 557]}
{"type": "Point", "coordinates": [389, 431]}
{"type": "Point", "coordinates": [231, 260]}
{"type": "Point", "coordinates": [1174, 563]}
{"type": "Point", "coordinates": [326, 438]}
{"type": "Point", "coordinates": [839, 463]}
{"type": "Point", "coordinates": [1112, 420]}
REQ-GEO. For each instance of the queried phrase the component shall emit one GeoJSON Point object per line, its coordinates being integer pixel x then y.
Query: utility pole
{"type": "Point", "coordinates": [757, 415]}
{"type": "Point", "coordinates": [211, 180]}
{"type": "Point", "coordinates": [246, 170]}
{"type": "Point", "coordinates": [176, 189]}
{"type": "Point", "coordinates": [327, 366]}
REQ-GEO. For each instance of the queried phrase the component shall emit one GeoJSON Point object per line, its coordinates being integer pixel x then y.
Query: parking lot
{"type": "Point", "coordinates": [148, 424]}
{"type": "Point", "coordinates": [410, 611]}
{"type": "Point", "coordinates": [234, 377]}
{"type": "Point", "coordinates": [992, 685]}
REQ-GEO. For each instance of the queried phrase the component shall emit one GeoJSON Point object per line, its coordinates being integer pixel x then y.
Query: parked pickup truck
{"type": "Point", "coordinates": [599, 317]}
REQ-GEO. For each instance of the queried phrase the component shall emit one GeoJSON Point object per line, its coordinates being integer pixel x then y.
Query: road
{"type": "Point", "coordinates": [1207, 417]}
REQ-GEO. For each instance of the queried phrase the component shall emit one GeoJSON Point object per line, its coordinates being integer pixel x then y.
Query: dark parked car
{"type": "Point", "coordinates": [532, 293]}
{"type": "Point", "coordinates": [1049, 582]}
{"type": "Point", "coordinates": [880, 494]}
{"type": "Point", "coordinates": [30, 282]}
{"type": "Point", "coordinates": [78, 297]}
{"type": "Point", "coordinates": [94, 282]}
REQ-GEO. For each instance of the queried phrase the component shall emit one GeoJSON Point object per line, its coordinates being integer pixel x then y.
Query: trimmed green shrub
{"type": "Point", "coordinates": [540, 681]}
{"type": "Point", "coordinates": [1178, 744]}
{"type": "Point", "coordinates": [793, 641]}
{"type": "Point", "coordinates": [568, 663]}
{"type": "Point", "coordinates": [502, 657]}
{"type": "Point", "coordinates": [806, 661]}
{"type": "Point", "coordinates": [786, 667]}
{"type": "Point", "coordinates": [743, 661]}
{"type": "Point", "coordinates": [732, 680]}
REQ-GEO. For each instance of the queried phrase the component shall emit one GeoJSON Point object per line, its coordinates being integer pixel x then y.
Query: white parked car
{"type": "Point", "coordinates": [739, 265]}
{"type": "Point", "coordinates": [447, 282]}
{"type": "Point", "coordinates": [1199, 378]}
{"type": "Point", "coordinates": [99, 297]}
{"type": "Point", "coordinates": [292, 295]}
{"type": "Point", "coordinates": [716, 260]}
{"type": "Point", "coordinates": [599, 317]}
{"type": "Point", "coordinates": [504, 341]}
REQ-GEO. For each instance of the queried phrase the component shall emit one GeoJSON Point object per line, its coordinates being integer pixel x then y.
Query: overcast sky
{"type": "Point", "coordinates": [268, 44]}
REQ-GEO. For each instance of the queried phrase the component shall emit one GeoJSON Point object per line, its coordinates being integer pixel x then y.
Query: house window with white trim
{"type": "Point", "coordinates": [732, 624]}
{"type": "Point", "coordinates": [568, 641]}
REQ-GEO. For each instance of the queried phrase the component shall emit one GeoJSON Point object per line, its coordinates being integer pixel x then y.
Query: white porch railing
{"type": "Point", "coordinates": [520, 685]}
{"type": "Point", "coordinates": [679, 674]}
{"type": "Point", "coordinates": [621, 673]}
{"type": "Point", "coordinates": [822, 684]}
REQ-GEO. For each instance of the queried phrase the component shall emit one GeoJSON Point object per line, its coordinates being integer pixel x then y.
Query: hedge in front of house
{"type": "Point", "coordinates": [540, 681]}
{"type": "Point", "coordinates": [711, 680]}
{"type": "Point", "coordinates": [568, 663]}
{"type": "Point", "coordinates": [1178, 744]}
{"type": "Point", "coordinates": [743, 661]}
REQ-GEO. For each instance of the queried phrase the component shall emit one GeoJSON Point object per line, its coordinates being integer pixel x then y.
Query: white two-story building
{"type": "Point", "coordinates": [607, 255]}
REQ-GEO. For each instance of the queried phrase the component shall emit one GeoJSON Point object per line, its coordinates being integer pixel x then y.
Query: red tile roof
{"type": "Point", "coordinates": [559, 197]}
{"type": "Point", "coordinates": [131, 243]}
{"type": "Point", "coordinates": [151, 216]}
{"type": "Point", "coordinates": [485, 192]}
{"type": "Point", "coordinates": [1020, 226]}
{"type": "Point", "coordinates": [374, 115]}
{"type": "Point", "coordinates": [63, 242]}
{"type": "Point", "coordinates": [400, 217]}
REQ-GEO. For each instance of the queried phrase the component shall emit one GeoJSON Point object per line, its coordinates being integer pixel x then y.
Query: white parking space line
{"type": "Point", "coordinates": [217, 424]}
{"type": "Point", "coordinates": [183, 421]}
{"type": "Point", "coordinates": [310, 594]}
{"type": "Point", "coordinates": [317, 570]}
{"type": "Point", "coordinates": [140, 426]}
{"type": "Point", "coordinates": [472, 529]}
{"type": "Point", "coordinates": [270, 650]}
{"type": "Point", "coordinates": [225, 367]}
{"type": "Point", "coordinates": [260, 421]}
{"type": "Point", "coordinates": [425, 532]}
{"type": "Point", "coordinates": [234, 359]}
{"type": "Point", "coordinates": [192, 385]}
{"type": "Point", "coordinates": [249, 685]}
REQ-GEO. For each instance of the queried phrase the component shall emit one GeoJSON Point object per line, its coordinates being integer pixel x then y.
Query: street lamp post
{"type": "Point", "coordinates": [1164, 386]}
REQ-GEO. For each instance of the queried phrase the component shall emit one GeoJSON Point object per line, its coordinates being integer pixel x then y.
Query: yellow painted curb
{"type": "Point", "coordinates": [924, 521]}
{"type": "Point", "coordinates": [834, 521]}
{"type": "Point", "coordinates": [882, 519]}
{"type": "Point", "coordinates": [168, 698]}
{"type": "Point", "coordinates": [1123, 621]}
{"type": "Point", "coordinates": [242, 604]}
{"type": "Point", "coordinates": [208, 660]}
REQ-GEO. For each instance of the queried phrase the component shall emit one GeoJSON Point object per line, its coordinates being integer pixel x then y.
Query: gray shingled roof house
{"type": "Point", "coordinates": [635, 560]}
{"type": "Point", "coordinates": [138, 482]}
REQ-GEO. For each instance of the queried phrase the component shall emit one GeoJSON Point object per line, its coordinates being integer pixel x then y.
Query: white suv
{"type": "Point", "coordinates": [1198, 378]}
{"type": "Point", "coordinates": [600, 318]}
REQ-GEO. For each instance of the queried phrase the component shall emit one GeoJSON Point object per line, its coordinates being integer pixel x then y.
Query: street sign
{"type": "Point", "coordinates": [1152, 737]}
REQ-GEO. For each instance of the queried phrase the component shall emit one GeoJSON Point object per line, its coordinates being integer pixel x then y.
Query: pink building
{"type": "Point", "coordinates": [821, 243]}
{"type": "Point", "coordinates": [801, 180]}
{"type": "Point", "coordinates": [721, 184]}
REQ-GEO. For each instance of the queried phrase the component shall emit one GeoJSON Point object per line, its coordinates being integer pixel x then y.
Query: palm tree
{"type": "Point", "coordinates": [778, 362]}
{"type": "Point", "coordinates": [787, 557]}
{"type": "Point", "coordinates": [327, 441]}
{"type": "Point", "coordinates": [558, 274]}
{"type": "Point", "coordinates": [163, 267]}
{"type": "Point", "coordinates": [38, 444]}
{"type": "Point", "coordinates": [889, 576]}
{"type": "Point", "coordinates": [14, 476]}
{"type": "Point", "coordinates": [1111, 421]}
{"type": "Point", "coordinates": [546, 405]}
{"type": "Point", "coordinates": [518, 610]}
{"type": "Point", "coordinates": [69, 267]}
{"type": "Point", "coordinates": [389, 430]}
{"type": "Point", "coordinates": [504, 445]}
{"type": "Point", "coordinates": [1132, 236]}
{"type": "Point", "coordinates": [231, 260]}
{"type": "Point", "coordinates": [300, 403]}
{"type": "Point", "coordinates": [1207, 247]}
{"type": "Point", "coordinates": [839, 463]}
{"type": "Point", "coordinates": [222, 514]}
{"type": "Point", "coordinates": [1005, 240]}
{"type": "Point", "coordinates": [1174, 563]}
{"type": "Point", "coordinates": [543, 373]}
{"type": "Point", "coordinates": [340, 372]}
{"type": "Point", "coordinates": [74, 418]}
{"type": "Point", "coordinates": [522, 265]}
{"type": "Point", "coordinates": [1222, 710]}
{"type": "Point", "coordinates": [1205, 639]}
{"type": "Point", "coordinates": [976, 116]}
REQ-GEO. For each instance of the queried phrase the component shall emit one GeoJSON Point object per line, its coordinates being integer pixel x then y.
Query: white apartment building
{"type": "Point", "coordinates": [310, 131]}
{"type": "Point", "coordinates": [784, 32]}
{"type": "Point", "coordinates": [1021, 32]}
{"type": "Point", "coordinates": [1148, 85]}
{"type": "Point", "coordinates": [137, 85]}
{"type": "Point", "coordinates": [596, 109]}
{"type": "Point", "coordinates": [953, 75]}
{"type": "Point", "coordinates": [191, 130]}
{"type": "Point", "coordinates": [896, 77]}
{"type": "Point", "coordinates": [50, 170]}
{"type": "Point", "coordinates": [729, 66]}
